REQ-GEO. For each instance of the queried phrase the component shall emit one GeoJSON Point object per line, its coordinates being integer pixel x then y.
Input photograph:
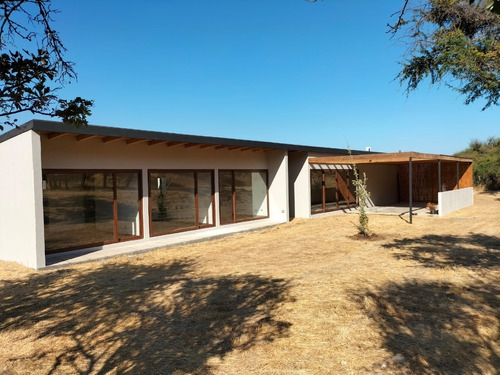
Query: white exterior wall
{"type": "Point", "coordinates": [382, 183]}
{"type": "Point", "coordinates": [21, 202]}
{"type": "Point", "coordinates": [300, 186]}
{"type": "Point", "coordinates": [453, 200]}
{"type": "Point", "coordinates": [278, 186]}
{"type": "Point", "coordinates": [68, 153]}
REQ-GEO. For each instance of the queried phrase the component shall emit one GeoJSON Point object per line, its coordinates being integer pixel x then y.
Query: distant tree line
{"type": "Point", "coordinates": [486, 156]}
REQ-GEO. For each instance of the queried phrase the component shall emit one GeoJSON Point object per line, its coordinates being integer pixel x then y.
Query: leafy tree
{"type": "Point", "coordinates": [452, 42]}
{"type": "Point", "coordinates": [32, 65]}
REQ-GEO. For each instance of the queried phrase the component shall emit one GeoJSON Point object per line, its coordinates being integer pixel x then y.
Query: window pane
{"type": "Point", "coordinates": [316, 191]}
{"type": "Point", "coordinates": [330, 190]}
{"type": "Point", "coordinates": [251, 195]}
{"type": "Point", "coordinates": [226, 197]}
{"type": "Point", "coordinates": [205, 208]}
{"type": "Point", "coordinates": [127, 196]}
{"type": "Point", "coordinates": [172, 201]}
{"type": "Point", "coordinates": [78, 209]}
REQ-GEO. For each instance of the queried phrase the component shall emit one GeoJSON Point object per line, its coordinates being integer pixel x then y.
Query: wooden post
{"type": "Point", "coordinates": [439, 176]}
{"type": "Point", "coordinates": [458, 175]}
{"type": "Point", "coordinates": [411, 190]}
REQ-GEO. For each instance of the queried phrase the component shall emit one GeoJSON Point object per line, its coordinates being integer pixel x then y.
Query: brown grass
{"type": "Point", "coordinates": [301, 298]}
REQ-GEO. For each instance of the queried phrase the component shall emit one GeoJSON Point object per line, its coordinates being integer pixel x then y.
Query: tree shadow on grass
{"type": "Point", "coordinates": [437, 328]}
{"type": "Point", "coordinates": [139, 318]}
{"type": "Point", "coordinates": [471, 251]}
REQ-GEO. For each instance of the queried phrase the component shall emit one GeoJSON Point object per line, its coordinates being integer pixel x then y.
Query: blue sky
{"type": "Point", "coordinates": [287, 71]}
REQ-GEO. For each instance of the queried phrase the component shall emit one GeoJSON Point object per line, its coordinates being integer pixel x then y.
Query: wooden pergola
{"type": "Point", "coordinates": [404, 158]}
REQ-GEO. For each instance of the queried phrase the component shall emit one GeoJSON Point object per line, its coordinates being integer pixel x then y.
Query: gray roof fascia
{"type": "Point", "coordinates": [106, 131]}
{"type": "Point", "coordinates": [16, 131]}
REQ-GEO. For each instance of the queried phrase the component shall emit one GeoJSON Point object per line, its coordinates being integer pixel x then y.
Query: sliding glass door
{"type": "Point", "coordinates": [242, 196]}
{"type": "Point", "coordinates": [90, 208]}
{"type": "Point", "coordinates": [180, 200]}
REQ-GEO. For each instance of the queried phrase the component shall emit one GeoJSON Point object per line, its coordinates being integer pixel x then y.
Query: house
{"type": "Point", "coordinates": [65, 188]}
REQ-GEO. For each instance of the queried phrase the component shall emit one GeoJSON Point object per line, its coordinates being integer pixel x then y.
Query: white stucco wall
{"type": "Point", "coordinates": [21, 201]}
{"type": "Point", "coordinates": [453, 200]}
{"type": "Point", "coordinates": [300, 186]}
{"type": "Point", "coordinates": [382, 183]}
{"type": "Point", "coordinates": [278, 185]}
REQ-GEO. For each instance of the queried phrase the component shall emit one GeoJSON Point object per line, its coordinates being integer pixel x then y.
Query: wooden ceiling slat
{"type": "Point", "coordinates": [173, 144]}
{"type": "Point", "coordinates": [84, 137]}
{"type": "Point", "coordinates": [155, 142]}
{"type": "Point", "coordinates": [208, 146]}
{"type": "Point", "coordinates": [110, 139]}
{"type": "Point", "coordinates": [131, 141]}
{"type": "Point", "coordinates": [56, 135]}
{"type": "Point", "coordinates": [189, 145]}
{"type": "Point", "coordinates": [220, 147]}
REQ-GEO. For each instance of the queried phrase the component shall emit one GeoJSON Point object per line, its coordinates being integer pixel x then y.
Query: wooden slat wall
{"type": "Point", "coordinates": [425, 182]}
{"type": "Point", "coordinates": [425, 179]}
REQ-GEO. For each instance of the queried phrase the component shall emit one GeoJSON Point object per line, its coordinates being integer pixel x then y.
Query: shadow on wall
{"type": "Point", "coordinates": [437, 327]}
{"type": "Point", "coordinates": [138, 318]}
{"type": "Point", "coordinates": [471, 251]}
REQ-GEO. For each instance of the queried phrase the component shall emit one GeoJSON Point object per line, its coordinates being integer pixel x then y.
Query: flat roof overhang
{"type": "Point", "coordinates": [54, 130]}
{"type": "Point", "coordinates": [387, 158]}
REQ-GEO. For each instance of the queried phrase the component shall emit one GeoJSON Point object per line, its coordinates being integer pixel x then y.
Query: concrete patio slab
{"type": "Point", "coordinates": [139, 246]}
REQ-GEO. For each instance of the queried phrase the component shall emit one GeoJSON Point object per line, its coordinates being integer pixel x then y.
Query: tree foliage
{"type": "Point", "coordinates": [486, 156]}
{"type": "Point", "coordinates": [452, 42]}
{"type": "Point", "coordinates": [32, 65]}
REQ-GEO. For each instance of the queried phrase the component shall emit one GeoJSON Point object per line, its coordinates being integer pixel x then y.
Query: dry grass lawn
{"type": "Point", "coordinates": [300, 298]}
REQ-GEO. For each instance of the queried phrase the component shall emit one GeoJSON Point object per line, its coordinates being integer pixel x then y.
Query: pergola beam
{"type": "Point", "coordinates": [390, 158]}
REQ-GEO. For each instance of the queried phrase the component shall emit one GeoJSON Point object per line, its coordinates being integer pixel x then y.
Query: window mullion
{"type": "Point", "coordinates": [196, 204]}
{"type": "Point", "coordinates": [115, 207]}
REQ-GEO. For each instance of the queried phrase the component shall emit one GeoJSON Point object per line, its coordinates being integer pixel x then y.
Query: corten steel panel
{"type": "Point", "coordinates": [466, 173]}
{"type": "Point", "coordinates": [343, 184]}
{"type": "Point", "coordinates": [426, 180]}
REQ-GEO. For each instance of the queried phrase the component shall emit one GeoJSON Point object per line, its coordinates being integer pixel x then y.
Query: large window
{"type": "Point", "coordinates": [180, 200]}
{"type": "Point", "coordinates": [88, 208]}
{"type": "Point", "coordinates": [331, 190]}
{"type": "Point", "coordinates": [242, 195]}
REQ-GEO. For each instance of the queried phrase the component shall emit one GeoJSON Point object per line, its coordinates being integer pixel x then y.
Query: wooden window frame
{"type": "Point", "coordinates": [113, 172]}
{"type": "Point", "coordinates": [195, 176]}
{"type": "Point", "coordinates": [233, 191]}
{"type": "Point", "coordinates": [323, 192]}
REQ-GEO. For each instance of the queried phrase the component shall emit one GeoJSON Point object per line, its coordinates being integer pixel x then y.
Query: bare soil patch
{"type": "Point", "coordinates": [305, 297]}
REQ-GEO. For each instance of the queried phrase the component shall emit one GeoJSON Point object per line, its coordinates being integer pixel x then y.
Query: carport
{"type": "Point", "coordinates": [441, 179]}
